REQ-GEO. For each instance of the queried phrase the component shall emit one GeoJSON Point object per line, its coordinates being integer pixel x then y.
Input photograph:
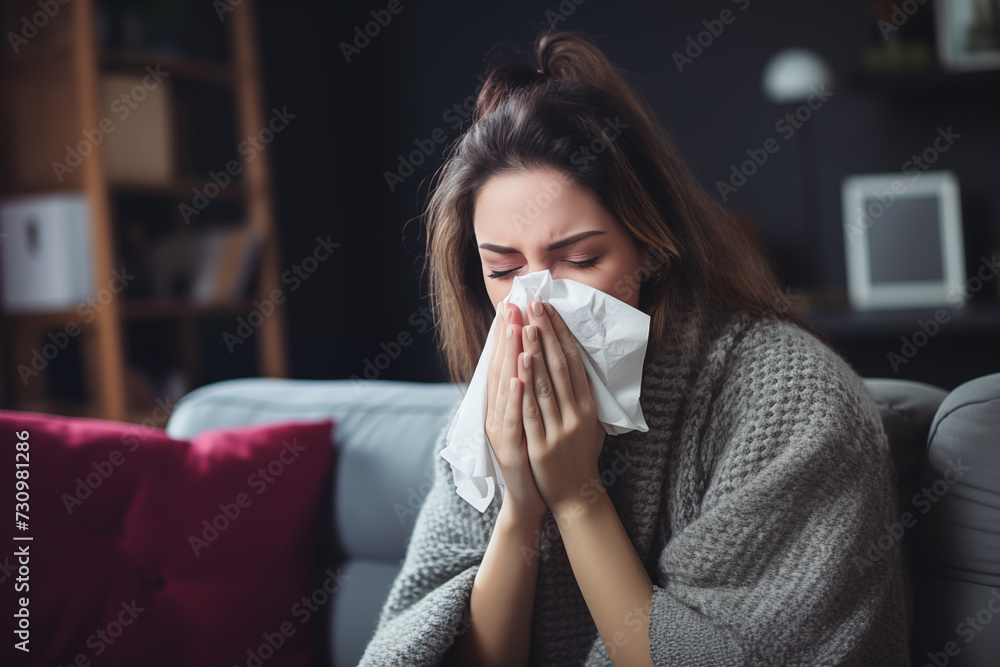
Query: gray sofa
{"type": "Point", "coordinates": [946, 450]}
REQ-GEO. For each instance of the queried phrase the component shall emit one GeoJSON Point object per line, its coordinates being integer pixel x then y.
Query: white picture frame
{"type": "Point", "coordinates": [868, 200]}
{"type": "Point", "coordinates": [954, 19]}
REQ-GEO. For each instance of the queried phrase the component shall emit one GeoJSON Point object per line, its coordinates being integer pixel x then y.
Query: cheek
{"type": "Point", "coordinates": [497, 291]}
{"type": "Point", "coordinates": [603, 281]}
{"type": "Point", "coordinates": [619, 281]}
{"type": "Point", "coordinates": [611, 273]}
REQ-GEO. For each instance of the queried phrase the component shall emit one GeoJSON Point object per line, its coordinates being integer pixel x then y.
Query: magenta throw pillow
{"type": "Point", "coordinates": [145, 550]}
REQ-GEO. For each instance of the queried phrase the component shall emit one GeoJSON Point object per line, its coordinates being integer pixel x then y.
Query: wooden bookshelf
{"type": "Point", "coordinates": [50, 94]}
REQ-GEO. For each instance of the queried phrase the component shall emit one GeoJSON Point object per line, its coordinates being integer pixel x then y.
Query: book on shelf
{"type": "Point", "coordinates": [226, 267]}
{"type": "Point", "coordinates": [209, 267]}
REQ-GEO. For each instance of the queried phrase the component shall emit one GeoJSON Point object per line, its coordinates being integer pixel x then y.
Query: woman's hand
{"type": "Point", "coordinates": [504, 400]}
{"type": "Point", "coordinates": [560, 415]}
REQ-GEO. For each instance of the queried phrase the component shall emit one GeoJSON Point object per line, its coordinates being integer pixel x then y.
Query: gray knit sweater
{"type": "Point", "coordinates": [753, 499]}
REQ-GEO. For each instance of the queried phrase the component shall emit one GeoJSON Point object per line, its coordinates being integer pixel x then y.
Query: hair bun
{"type": "Point", "coordinates": [570, 55]}
{"type": "Point", "coordinates": [560, 56]}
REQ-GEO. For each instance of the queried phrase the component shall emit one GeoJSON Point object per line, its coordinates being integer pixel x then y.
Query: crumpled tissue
{"type": "Point", "coordinates": [611, 336]}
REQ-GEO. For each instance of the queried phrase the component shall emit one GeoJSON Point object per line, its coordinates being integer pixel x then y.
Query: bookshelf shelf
{"type": "Point", "coordinates": [67, 408]}
{"type": "Point", "coordinates": [181, 309]}
{"type": "Point", "coordinates": [136, 415]}
{"type": "Point", "coordinates": [182, 189]}
{"type": "Point", "coordinates": [52, 318]}
{"type": "Point", "coordinates": [134, 62]}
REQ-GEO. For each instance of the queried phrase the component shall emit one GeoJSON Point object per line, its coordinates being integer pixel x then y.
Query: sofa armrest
{"type": "Point", "coordinates": [960, 535]}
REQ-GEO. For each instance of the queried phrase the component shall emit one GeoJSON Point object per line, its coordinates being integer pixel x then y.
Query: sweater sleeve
{"type": "Point", "coordinates": [787, 553]}
{"type": "Point", "coordinates": [428, 603]}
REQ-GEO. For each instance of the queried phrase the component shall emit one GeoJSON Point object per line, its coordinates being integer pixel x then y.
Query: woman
{"type": "Point", "coordinates": [733, 532]}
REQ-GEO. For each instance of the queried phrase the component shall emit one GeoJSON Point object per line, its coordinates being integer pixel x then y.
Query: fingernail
{"type": "Point", "coordinates": [532, 334]}
{"type": "Point", "coordinates": [537, 307]}
{"type": "Point", "coordinates": [548, 309]}
{"type": "Point", "coordinates": [510, 330]}
{"type": "Point", "coordinates": [513, 385]}
{"type": "Point", "coordinates": [526, 360]}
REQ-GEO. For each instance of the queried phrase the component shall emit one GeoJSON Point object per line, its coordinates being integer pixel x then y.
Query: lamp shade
{"type": "Point", "coordinates": [791, 75]}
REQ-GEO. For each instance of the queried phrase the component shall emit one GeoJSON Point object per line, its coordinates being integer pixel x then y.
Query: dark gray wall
{"type": "Point", "coordinates": [355, 118]}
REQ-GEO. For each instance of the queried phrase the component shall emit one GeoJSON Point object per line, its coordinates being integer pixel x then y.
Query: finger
{"type": "Point", "coordinates": [493, 370]}
{"type": "Point", "coordinates": [555, 361]}
{"type": "Point", "coordinates": [495, 328]}
{"type": "Point", "coordinates": [531, 414]}
{"type": "Point", "coordinates": [540, 386]}
{"type": "Point", "coordinates": [512, 427]}
{"type": "Point", "coordinates": [577, 371]}
{"type": "Point", "coordinates": [499, 404]}
{"type": "Point", "coordinates": [514, 315]}
{"type": "Point", "coordinates": [512, 347]}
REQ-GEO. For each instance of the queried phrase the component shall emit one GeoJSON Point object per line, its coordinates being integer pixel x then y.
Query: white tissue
{"type": "Point", "coordinates": [611, 336]}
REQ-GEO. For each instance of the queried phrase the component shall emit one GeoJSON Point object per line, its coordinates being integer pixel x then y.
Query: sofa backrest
{"type": "Point", "coordinates": [907, 409]}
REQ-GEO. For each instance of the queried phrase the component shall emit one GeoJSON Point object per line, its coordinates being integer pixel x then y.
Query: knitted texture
{"type": "Point", "coordinates": [763, 481]}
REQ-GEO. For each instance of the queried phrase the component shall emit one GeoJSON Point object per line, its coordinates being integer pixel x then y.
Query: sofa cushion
{"type": "Point", "coordinates": [356, 609]}
{"type": "Point", "coordinates": [155, 551]}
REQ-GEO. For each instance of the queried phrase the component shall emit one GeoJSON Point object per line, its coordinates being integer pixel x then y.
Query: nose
{"type": "Point", "coordinates": [540, 266]}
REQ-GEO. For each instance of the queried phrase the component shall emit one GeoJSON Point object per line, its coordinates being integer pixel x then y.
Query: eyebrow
{"type": "Point", "coordinates": [569, 240]}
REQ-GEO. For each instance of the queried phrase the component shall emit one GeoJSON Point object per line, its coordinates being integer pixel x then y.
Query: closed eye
{"type": "Point", "coordinates": [585, 264]}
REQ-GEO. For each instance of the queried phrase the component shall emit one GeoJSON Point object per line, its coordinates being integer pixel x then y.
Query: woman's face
{"type": "Point", "coordinates": [542, 219]}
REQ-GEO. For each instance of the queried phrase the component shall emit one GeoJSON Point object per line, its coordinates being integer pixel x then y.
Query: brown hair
{"type": "Point", "coordinates": [530, 117]}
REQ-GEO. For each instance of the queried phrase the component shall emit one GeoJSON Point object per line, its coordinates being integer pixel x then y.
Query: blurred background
{"type": "Point", "coordinates": [196, 191]}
